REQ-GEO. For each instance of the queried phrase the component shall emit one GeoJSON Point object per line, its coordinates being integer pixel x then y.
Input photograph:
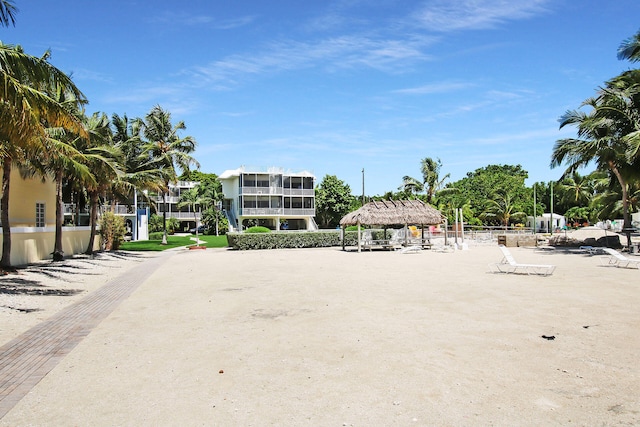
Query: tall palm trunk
{"type": "Point", "coordinates": [626, 224]}
{"type": "Point", "coordinates": [58, 253]}
{"type": "Point", "coordinates": [5, 262]}
{"type": "Point", "coordinates": [93, 220]}
{"type": "Point", "coordinates": [164, 219]}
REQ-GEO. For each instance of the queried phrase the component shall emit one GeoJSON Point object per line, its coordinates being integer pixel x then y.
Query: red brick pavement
{"type": "Point", "coordinates": [25, 360]}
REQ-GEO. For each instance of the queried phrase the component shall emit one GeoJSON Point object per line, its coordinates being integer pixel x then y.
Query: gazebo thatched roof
{"type": "Point", "coordinates": [394, 212]}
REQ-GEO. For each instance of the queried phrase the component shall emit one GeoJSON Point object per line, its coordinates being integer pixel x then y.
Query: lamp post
{"type": "Point", "coordinates": [362, 186]}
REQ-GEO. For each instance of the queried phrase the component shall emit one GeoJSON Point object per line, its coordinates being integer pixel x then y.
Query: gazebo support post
{"type": "Point", "coordinates": [406, 235]}
{"type": "Point", "coordinates": [343, 232]}
{"type": "Point", "coordinates": [359, 237]}
{"type": "Point", "coordinates": [446, 231]}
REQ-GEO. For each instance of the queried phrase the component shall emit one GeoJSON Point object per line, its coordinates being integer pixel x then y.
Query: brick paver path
{"type": "Point", "coordinates": [25, 360]}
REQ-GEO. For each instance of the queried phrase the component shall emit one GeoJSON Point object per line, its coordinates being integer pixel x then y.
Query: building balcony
{"type": "Point", "coordinates": [277, 212]}
{"type": "Point", "coordinates": [260, 190]}
{"type": "Point", "coordinates": [186, 184]}
{"type": "Point", "coordinates": [299, 192]}
{"type": "Point", "coordinates": [183, 216]}
{"type": "Point", "coordinates": [278, 191]}
{"type": "Point", "coordinates": [118, 209]}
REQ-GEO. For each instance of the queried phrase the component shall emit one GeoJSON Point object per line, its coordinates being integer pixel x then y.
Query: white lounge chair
{"type": "Point", "coordinates": [509, 265]}
{"type": "Point", "coordinates": [616, 259]}
{"type": "Point", "coordinates": [411, 249]}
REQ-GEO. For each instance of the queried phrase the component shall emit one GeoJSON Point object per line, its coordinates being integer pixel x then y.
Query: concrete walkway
{"type": "Point", "coordinates": [25, 360]}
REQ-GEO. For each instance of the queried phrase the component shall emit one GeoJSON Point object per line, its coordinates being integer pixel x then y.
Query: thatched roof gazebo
{"type": "Point", "coordinates": [393, 212]}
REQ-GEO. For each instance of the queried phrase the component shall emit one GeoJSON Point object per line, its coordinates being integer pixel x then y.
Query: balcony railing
{"type": "Point", "coordinates": [277, 191]}
{"type": "Point", "coordinates": [260, 190]}
{"type": "Point", "coordinates": [189, 216]}
{"type": "Point", "coordinates": [299, 192]}
{"type": "Point", "coordinates": [118, 209]}
{"type": "Point", "coordinates": [187, 184]}
{"type": "Point", "coordinates": [305, 212]}
{"type": "Point", "coordinates": [277, 211]}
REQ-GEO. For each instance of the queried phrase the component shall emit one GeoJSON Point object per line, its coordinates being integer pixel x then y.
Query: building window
{"type": "Point", "coordinates": [40, 215]}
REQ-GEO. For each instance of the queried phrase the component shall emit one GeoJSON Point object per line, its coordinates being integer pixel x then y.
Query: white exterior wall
{"type": "Point", "coordinates": [542, 222]}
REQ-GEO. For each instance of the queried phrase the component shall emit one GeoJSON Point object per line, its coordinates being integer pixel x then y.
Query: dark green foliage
{"type": "Point", "coordinates": [333, 201]}
{"type": "Point", "coordinates": [319, 239]}
{"type": "Point", "coordinates": [156, 235]}
{"type": "Point", "coordinates": [479, 188]}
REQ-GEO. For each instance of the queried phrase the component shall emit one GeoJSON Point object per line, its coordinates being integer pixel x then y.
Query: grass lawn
{"type": "Point", "coordinates": [174, 242]}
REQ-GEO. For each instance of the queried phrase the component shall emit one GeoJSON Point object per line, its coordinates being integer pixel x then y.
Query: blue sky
{"type": "Point", "coordinates": [335, 86]}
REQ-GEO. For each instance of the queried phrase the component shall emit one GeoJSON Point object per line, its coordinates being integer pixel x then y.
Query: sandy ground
{"type": "Point", "coordinates": [37, 291]}
{"type": "Point", "coordinates": [322, 337]}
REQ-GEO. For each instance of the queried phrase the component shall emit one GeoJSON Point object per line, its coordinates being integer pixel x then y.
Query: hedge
{"type": "Point", "coordinates": [290, 239]}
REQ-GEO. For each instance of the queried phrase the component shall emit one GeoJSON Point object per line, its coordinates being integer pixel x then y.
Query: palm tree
{"type": "Point", "coordinates": [105, 161]}
{"type": "Point", "coordinates": [25, 107]}
{"type": "Point", "coordinates": [7, 13]}
{"type": "Point", "coordinates": [140, 173]}
{"type": "Point", "coordinates": [503, 209]}
{"type": "Point", "coordinates": [601, 140]}
{"type": "Point", "coordinates": [577, 189]}
{"type": "Point", "coordinates": [167, 150]}
{"type": "Point", "coordinates": [192, 198]}
{"type": "Point", "coordinates": [411, 185]}
{"type": "Point", "coordinates": [630, 48]}
{"type": "Point", "coordinates": [431, 176]}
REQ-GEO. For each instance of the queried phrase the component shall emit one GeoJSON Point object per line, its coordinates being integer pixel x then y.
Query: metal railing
{"type": "Point", "coordinates": [189, 216]}
{"type": "Point", "coordinates": [299, 192]}
{"type": "Point", "coordinates": [277, 211]}
{"type": "Point", "coordinates": [260, 190]}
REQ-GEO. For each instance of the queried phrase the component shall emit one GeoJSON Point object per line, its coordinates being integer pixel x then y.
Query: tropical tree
{"type": "Point", "coordinates": [26, 109]}
{"type": "Point", "coordinates": [576, 190]}
{"type": "Point", "coordinates": [503, 208]}
{"type": "Point", "coordinates": [140, 174]}
{"type": "Point", "coordinates": [603, 138]}
{"type": "Point", "coordinates": [63, 159]}
{"type": "Point", "coordinates": [480, 186]}
{"type": "Point", "coordinates": [333, 201]}
{"type": "Point", "coordinates": [193, 200]}
{"type": "Point", "coordinates": [105, 161]}
{"type": "Point", "coordinates": [430, 169]}
{"type": "Point", "coordinates": [630, 48]}
{"type": "Point", "coordinates": [410, 186]}
{"type": "Point", "coordinates": [7, 13]}
{"type": "Point", "coordinates": [166, 151]}
{"type": "Point", "coordinates": [210, 192]}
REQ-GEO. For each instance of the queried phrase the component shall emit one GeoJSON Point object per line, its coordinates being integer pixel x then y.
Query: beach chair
{"type": "Point", "coordinates": [411, 249]}
{"type": "Point", "coordinates": [509, 265]}
{"type": "Point", "coordinates": [616, 259]}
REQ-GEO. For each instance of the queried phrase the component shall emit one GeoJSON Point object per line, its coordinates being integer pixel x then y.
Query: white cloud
{"type": "Point", "coordinates": [180, 19]}
{"type": "Point", "coordinates": [440, 87]}
{"type": "Point", "coordinates": [331, 53]}
{"type": "Point", "coordinates": [452, 15]}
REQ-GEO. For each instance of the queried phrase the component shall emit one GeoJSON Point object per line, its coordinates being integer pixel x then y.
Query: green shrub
{"type": "Point", "coordinates": [112, 230]}
{"type": "Point", "coordinates": [290, 239]}
{"type": "Point", "coordinates": [257, 229]}
{"type": "Point", "coordinates": [157, 235]}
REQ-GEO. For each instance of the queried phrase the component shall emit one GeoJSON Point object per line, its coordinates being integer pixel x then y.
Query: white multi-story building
{"type": "Point", "coordinates": [169, 202]}
{"type": "Point", "coordinates": [273, 198]}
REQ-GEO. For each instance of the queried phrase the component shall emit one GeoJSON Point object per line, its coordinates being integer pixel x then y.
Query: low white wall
{"type": "Point", "coordinates": [31, 244]}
